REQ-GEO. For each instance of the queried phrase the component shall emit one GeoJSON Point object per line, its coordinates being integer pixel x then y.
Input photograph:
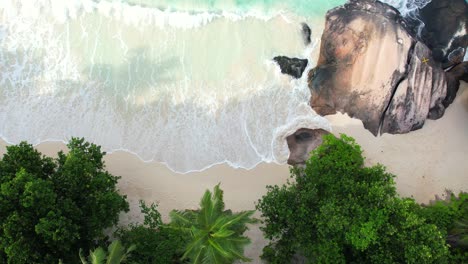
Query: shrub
{"type": "Point", "coordinates": [52, 207]}
{"type": "Point", "coordinates": [451, 216]}
{"type": "Point", "coordinates": [215, 235]}
{"type": "Point", "coordinates": [154, 244]}
{"type": "Point", "coordinates": [338, 211]}
{"type": "Point", "coordinates": [444, 213]}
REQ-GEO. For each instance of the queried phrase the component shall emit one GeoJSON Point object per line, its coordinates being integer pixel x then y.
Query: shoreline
{"type": "Point", "coordinates": [155, 182]}
{"type": "Point", "coordinates": [426, 162]}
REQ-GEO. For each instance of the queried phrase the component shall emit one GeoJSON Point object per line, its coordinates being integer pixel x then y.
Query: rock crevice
{"type": "Point", "coordinates": [397, 84]}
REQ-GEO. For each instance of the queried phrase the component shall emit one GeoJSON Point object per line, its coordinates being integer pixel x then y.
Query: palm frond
{"type": "Point", "coordinates": [206, 209]}
{"type": "Point", "coordinates": [239, 240]}
{"type": "Point", "coordinates": [197, 259]}
{"type": "Point", "coordinates": [222, 233]}
{"type": "Point", "coordinates": [242, 217]}
{"type": "Point", "coordinates": [240, 255]}
{"type": "Point", "coordinates": [216, 234]}
{"type": "Point", "coordinates": [82, 258]}
{"type": "Point", "coordinates": [130, 249]}
{"type": "Point", "coordinates": [211, 257]}
{"type": "Point", "coordinates": [196, 243]}
{"type": "Point", "coordinates": [218, 202]}
{"type": "Point", "coordinates": [117, 253]}
{"type": "Point", "coordinates": [181, 218]}
{"type": "Point", "coordinates": [218, 248]}
{"type": "Point", "coordinates": [220, 221]}
{"type": "Point", "coordinates": [98, 256]}
{"type": "Point", "coordinates": [460, 232]}
{"type": "Point", "coordinates": [461, 227]}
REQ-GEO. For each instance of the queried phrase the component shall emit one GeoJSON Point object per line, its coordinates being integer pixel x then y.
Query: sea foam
{"type": "Point", "coordinates": [407, 7]}
{"type": "Point", "coordinates": [189, 89]}
{"type": "Point", "coordinates": [63, 10]}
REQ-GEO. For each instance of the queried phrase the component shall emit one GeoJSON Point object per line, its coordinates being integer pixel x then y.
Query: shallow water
{"type": "Point", "coordinates": [188, 84]}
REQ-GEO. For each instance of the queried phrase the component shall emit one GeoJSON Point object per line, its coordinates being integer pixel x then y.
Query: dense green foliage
{"type": "Point", "coordinates": [216, 235]}
{"type": "Point", "coordinates": [451, 216]}
{"type": "Point", "coordinates": [52, 207]}
{"type": "Point", "coordinates": [154, 244]}
{"type": "Point", "coordinates": [335, 210]}
{"type": "Point", "coordinates": [116, 254]}
{"type": "Point", "coordinates": [338, 211]}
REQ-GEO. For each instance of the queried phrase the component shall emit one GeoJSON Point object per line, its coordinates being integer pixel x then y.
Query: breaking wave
{"type": "Point", "coordinates": [187, 88]}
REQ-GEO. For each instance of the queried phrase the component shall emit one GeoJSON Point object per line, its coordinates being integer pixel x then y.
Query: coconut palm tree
{"type": "Point", "coordinates": [458, 236]}
{"type": "Point", "coordinates": [116, 254]}
{"type": "Point", "coordinates": [216, 235]}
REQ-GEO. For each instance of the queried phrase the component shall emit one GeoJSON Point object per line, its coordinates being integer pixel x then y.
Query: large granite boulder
{"type": "Point", "coordinates": [445, 30]}
{"type": "Point", "coordinates": [302, 142]}
{"type": "Point", "coordinates": [457, 73]}
{"type": "Point", "coordinates": [373, 68]}
{"type": "Point", "coordinates": [421, 92]}
{"type": "Point", "coordinates": [291, 66]}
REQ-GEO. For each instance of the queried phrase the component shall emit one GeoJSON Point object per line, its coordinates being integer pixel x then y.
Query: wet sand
{"type": "Point", "coordinates": [426, 162]}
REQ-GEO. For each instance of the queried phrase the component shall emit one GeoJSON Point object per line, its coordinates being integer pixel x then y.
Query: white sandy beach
{"type": "Point", "coordinates": [426, 162]}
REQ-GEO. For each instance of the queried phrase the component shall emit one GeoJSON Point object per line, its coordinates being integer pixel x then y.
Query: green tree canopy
{"type": "Point", "coordinates": [154, 244]}
{"type": "Point", "coordinates": [52, 207]}
{"type": "Point", "coordinates": [451, 216]}
{"type": "Point", "coordinates": [336, 210]}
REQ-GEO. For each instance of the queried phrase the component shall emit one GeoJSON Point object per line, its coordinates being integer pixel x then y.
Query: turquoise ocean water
{"type": "Point", "coordinates": [301, 7]}
{"type": "Point", "coordinates": [187, 83]}
{"type": "Point", "coordinates": [305, 8]}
